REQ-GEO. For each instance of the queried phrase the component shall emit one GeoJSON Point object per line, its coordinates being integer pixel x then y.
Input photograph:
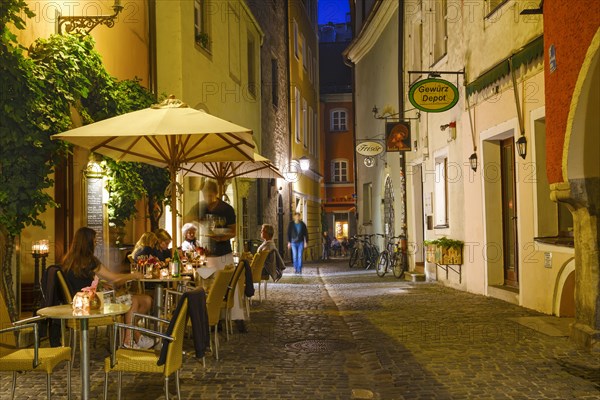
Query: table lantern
{"type": "Point", "coordinates": [81, 302]}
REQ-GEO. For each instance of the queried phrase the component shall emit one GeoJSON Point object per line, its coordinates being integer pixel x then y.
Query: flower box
{"type": "Point", "coordinates": [444, 251]}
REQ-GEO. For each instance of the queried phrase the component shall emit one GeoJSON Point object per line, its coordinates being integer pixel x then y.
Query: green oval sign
{"type": "Point", "coordinates": [433, 95]}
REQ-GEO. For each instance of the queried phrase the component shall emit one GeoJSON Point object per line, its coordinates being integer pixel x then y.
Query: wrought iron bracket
{"type": "Point", "coordinates": [81, 23]}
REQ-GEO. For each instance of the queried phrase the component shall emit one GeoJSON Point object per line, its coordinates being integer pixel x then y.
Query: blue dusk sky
{"type": "Point", "coordinates": [333, 10]}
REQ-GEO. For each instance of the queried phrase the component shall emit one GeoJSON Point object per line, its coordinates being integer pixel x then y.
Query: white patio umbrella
{"type": "Point", "coordinates": [170, 135]}
{"type": "Point", "coordinates": [259, 167]}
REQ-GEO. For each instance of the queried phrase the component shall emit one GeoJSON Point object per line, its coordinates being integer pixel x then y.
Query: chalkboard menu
{"type": "Point", "coordinates": [94, 212]}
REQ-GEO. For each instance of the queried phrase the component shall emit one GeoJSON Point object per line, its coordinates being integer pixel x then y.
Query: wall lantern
{"type": "Point", "coordinates": [304, 163]}
{"type": "Point", "coordinates": [473, 161]}
{"type": "Point", "coordinates": [522, 147]}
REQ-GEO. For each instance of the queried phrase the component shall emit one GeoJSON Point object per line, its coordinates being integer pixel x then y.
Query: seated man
{"type": "Point", "coordinates": [274, 264]}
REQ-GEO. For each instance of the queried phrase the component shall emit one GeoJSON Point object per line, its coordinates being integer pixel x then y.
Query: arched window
{"type": "Point", "coordinates": [338, 120]}
{"type": "Point", "coordinates": [339, 170]}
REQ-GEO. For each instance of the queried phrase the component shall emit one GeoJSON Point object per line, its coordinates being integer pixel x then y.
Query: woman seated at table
{"type": "Point", "coordinates": [190, 243]}
{"type": "Point", "coordinates": [164, 240]}
{"type": "Point", "coordinates": [146, 246]}
{"type": "Point", "coordinates": [80, 266]}
{"type": "Point", "coordinates": [274, 266]}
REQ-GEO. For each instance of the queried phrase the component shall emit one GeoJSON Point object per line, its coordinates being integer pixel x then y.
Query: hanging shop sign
{"type": "Point", "coordinates": [397, 136]}
{"type": "Point", "coordinates": [433, 95]}
{"type": "Point", "coordinates": [369, 149]}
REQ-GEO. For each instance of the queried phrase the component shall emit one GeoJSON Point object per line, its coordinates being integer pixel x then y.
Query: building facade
{"type": "Point", "coordinates": [337, 132]}
{"type": "Point", "coordinates": [518, 242]}
{"type": "Point", "coordinates": [305, 185]}
{"type": "Point", "coordinates": [572, 140]}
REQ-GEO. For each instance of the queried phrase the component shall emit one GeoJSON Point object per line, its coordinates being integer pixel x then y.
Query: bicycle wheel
{"type": "Point", "coordinates": [382, 263]}
{"type": "Point", "coordinates": [360, 258]}
{"type": "Point", "coordinates": [371, 259]}
{"type": "Point", "coordinates": [353, 258]}
{"type": "Point", "coordinates": [399, 265]}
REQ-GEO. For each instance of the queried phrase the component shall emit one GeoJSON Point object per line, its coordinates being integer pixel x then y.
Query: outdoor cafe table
{"type": "Point", "coordinates": [158, 289]}
{"type": "Point", "coordinates": [65, 311]}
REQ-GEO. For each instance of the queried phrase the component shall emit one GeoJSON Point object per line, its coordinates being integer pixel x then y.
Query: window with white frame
{"type": "Point", "coordinates": [416, 41]}
{"type": "Point", "coordinates": [201, 33]}
{"type": "Point", "coordinates": [310, 70]}
{"type": "Point", "coordinates": [441, 192]}
{"type": "Point", "coordinates": [440, 37]}
{"type": "Point", "coordinates": [296, 45]}
{"type": "Point", "coordinates": [251, 62]}
{"type": "Point", "coordinates": [339, 170]}
{"type": "Point", "coordinates": [316, 142]}
{"type": "Point", "coordinates": [304, 49]}
{"type": "Point", "coordinates": [367, 200]}
{"type": "Point", "coordinates": [338, 120]}
{"type": "Point", "coordinates": [310, 129]}
{"type": "Point", "coordinates": [304, 123]}
{"type": "Point", "coordinates": [297, 114]}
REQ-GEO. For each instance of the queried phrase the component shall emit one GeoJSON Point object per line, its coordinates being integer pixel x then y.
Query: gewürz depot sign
{"type": "Point", "coordinates": [369, 149]}
{"type": "Point", "coordinates": [433, 95]}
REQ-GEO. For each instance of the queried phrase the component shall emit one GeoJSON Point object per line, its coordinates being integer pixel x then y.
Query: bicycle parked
{"type": "Point", "coordinates": [364, 253]}
{"type": "Point", "coordinates": [393, 257]}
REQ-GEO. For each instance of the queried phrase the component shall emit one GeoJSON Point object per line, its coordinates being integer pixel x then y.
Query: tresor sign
{"type": "Point", "coordinates": [433, 95]}
{"type": "Point", "coordinates": [369, 149]}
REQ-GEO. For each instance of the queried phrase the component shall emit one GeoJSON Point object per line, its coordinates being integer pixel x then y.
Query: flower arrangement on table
{"type": "Point", "coordinates": [86, 299]}
{"type": "Point", "coordinates": [151, 267]}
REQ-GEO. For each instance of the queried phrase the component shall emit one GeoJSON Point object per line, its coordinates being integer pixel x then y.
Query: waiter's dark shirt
{"type": "Point", "coordinates": [222, 209]}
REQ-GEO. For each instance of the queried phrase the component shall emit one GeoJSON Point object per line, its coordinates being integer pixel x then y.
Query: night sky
{"type": "Point", "coordinates": [333, 10]}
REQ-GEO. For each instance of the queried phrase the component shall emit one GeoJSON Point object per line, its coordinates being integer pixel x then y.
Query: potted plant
{"type": "Point", "coordinates": [203, 40]}
{"type": "Point", "coordinates": [444, 250]}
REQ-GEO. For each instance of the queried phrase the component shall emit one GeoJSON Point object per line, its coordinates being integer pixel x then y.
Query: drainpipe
{"type": "Point", "coordinates": [152, 64]}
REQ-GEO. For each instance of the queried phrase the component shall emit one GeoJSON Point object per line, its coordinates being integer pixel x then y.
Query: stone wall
{"type": "Point", "coordinates": [274, 138]}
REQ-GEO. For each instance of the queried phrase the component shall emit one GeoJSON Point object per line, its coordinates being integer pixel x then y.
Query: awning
{"type": "Point", "coordinates": [524, 55]}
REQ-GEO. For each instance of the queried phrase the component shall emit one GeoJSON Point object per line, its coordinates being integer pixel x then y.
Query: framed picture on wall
{"type": "Point", "coordinates": [397, 136]}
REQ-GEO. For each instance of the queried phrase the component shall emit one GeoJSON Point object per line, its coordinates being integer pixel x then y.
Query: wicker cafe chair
{"type": "Point", "coordinates": [235, 287]}
{"type": "Point", "coordinates": [73, 324]}
{"type": "Point", "coordinates": [214, 302]}
{"type": "Point", "coordinates": [36, 359]}
{"type": "Point", "coordinates": [257, 265]}
{"type": "Point", "coordinates": [144, 361]}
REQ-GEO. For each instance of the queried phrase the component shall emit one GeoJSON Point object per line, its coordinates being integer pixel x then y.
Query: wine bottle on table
{"type": "Point", "coordinates": [176, 268]}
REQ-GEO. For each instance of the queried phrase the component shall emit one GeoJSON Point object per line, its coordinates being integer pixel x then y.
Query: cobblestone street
{"type": "Point", "coordinates": [335, 333]}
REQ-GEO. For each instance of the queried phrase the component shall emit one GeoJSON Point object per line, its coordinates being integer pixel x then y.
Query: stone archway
{"type": "Point", "coordinates": [582, 194]}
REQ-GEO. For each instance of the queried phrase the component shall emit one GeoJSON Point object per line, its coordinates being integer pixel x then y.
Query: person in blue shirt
{"type": "Point", "coordinates": [297, 240]}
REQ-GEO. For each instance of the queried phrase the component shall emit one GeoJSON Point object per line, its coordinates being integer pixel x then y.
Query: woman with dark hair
{"type": "Point", "coordinates": [80, 266]}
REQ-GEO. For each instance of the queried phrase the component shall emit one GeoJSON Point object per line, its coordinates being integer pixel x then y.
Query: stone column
{"type": "Point", "coordinates": [583, 198]}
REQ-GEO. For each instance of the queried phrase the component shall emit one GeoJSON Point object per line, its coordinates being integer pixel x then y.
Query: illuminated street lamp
{"type": "Point", "coordinates": [522, 147]}
{"type": "Point", "coordinates": [304, 163]}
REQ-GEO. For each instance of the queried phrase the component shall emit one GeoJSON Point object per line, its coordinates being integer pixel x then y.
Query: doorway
{"type": "Point", "coordinates": [509, 212]}
{"type": "Point", "coordinates": [419, 215]}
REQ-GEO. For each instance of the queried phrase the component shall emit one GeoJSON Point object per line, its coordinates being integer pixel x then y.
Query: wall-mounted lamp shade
{"type": "Point", "coordinates": [522, 147]}
{"type": "Point", "coordinates": [304, 163]}
{"type": "Point", "coordinates": [473, 161]}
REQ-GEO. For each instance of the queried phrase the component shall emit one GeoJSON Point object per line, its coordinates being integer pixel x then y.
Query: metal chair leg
{"type": "Point", "coordinates": [48, 386]}
{"type": "Point", "coordinates": [167, 388]}
{"type": "Point", "coordinates": [216, 344]}
{"type": "Point", "coordinates": [106, 386]}
{"type": "Point", "coordinates": [14, 385]}
{"type": "Point", "coordinates": [177, 385]}
{"type": "Point", "coordinates": [120, 376]}
{"type": "Point", "coordinates": [68, 380]}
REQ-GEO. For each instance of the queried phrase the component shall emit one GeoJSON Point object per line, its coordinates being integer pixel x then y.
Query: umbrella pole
{"type": "Point", "coordinates": [173, 174]}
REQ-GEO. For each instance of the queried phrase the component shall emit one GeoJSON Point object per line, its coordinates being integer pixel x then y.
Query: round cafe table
{"type": "Point", "coordinates": [66, 311]}
{"type": "Point", "coordinates": [158, 289]}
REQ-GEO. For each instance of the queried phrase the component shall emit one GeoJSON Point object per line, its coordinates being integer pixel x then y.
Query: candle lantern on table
{"type": "Point", "coordinates": [39, 251]}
